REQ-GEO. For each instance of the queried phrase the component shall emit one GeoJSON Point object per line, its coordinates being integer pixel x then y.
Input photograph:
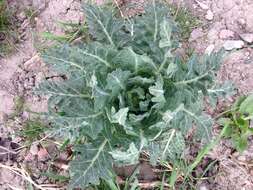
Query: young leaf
{"type": "Point", "coordinates": [130, 60]}
{"type": "Point", "coordinates": [247, 105]}
{"type": "Point", "coordinates": [120, 117]}
{"type": "Point", "coordinates": [116, 81]}
{"type": "Point", "coordinates": [171, 70]}
{"type": "Point", "coordinates": [170, 145]}
{"type": "Point", "coordinates": [165, 33]}
{"type": "Point", "coordinates": [241, 143]}
{"type": "Point", "coordinates": [220, 91]}
{"type": "Point", "coordinates": [130, 157]}
{"type": "Point", "coordinates": [158, 92]}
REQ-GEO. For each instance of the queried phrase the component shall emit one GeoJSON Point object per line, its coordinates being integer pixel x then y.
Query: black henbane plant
{"type": "Point", "coordinates": [126, 93]}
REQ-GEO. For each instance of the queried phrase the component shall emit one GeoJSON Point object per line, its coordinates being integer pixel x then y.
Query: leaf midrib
{"type": "Point", "coordinates": [100, 149]}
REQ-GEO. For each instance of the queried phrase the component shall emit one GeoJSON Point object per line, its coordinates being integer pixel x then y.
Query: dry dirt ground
{"type": "Point", "coordinates": [226, 23]}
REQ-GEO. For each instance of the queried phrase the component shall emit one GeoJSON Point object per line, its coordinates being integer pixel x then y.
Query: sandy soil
{"type": "Point", "coordinates": [223, 21]}
{"type": "Point", "coordinates": [231, 20]}
{"type": "Point", "coordinates": [21, 72]}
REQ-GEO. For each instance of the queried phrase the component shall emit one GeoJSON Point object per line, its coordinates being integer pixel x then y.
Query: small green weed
{"type": "Point", "coordinates": [185, 20]}
{"type": "Point", "coordinates": [4, 18]}
{"type": "Point", "coordinates": [7, 29]}
{"type": "Point", "coordinates": [237, 122]}
{"type": "Point", "coordinates": [18, 106]}
{"type": "Point", "coordinates": [55, 177]}
{"type": "Point", "coordinates": [73, 31]}
{"type": "Point", "coordinates": [32, 130]}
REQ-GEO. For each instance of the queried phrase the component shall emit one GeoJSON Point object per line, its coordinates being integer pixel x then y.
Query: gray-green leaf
{"type": "Point", "coordinates": [130, 157]}
{"type": "Point", "coordinates": [116, 81]}
{"type": "Point", "coordinates": [120, 117]}
{"type": "Point", "coordinates": [158, 92]}
{"type": "Point", "coordinates": [89, 165]}
{"type": "Point", "coordinates": [165, 34]}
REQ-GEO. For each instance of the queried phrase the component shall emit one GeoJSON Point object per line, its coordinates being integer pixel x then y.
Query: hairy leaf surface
{"type": "Point", "coordinates": [90, 164]}
{"type": "Point", "coordinates": [124, 91]}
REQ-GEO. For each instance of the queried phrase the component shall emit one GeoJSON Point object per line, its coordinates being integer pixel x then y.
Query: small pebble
{"type": "Point", "coordinates": [209, 15]}
{"type": "Point", "coordinates": [34, 149]}
{"type": "Point", "coordinates": [242, 21]}
{"type": "Point", "coordinates": [203, 187]}
{"type": "Point", "coordinates": [3, 117]}
{"type": "Point", "coordinates": [33, 63]}
{"type": "Point", "coordinates": [196, 34]}
{"type": "Point", "coordinates": [236, 154]}
{"type": "Point", "coordinates": [233, 44]}
{"type": "Point", "coordinates": [241, 158]}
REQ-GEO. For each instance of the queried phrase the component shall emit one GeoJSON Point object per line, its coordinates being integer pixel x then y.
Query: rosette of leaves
{"type": "Point", "coordinates": [125, 92]}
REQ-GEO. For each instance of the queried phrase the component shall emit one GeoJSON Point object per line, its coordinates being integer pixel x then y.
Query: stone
{"type": "Point", "coordinates": [34, 63]}
{"type": "Point", "coordinates": [225, 34]}
{"type": "Point", "coordinates": [34, 149]}
{"type": "Point", "coordinates": [247, 37]}
{"type": "Point", "coordinates": [39, 4]}
{"type": "Point", "coordinates": [209, 15]}
{"type": "Point", "coordinates": [3, 117]}
{"type": "Point", "coordinates": [196, 34]}
{"type": "Point", "coordinates": [233, 44]}
{"type": "Point", "coordinates": [203, 187]}
{"type": "Point", "coordinates": [7, 103]}
{"type": "Point", "coordinates": [241, 158]}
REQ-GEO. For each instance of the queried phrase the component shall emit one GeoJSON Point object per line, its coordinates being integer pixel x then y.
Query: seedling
{"type": "Point", "coordinates": [32, 130]}
{"type": "Point", "coordinates": [185, 20]}
{"type": "Point", "coordinates": [73, 31]}
{"type": "Point", "coordinates": [238, 122]}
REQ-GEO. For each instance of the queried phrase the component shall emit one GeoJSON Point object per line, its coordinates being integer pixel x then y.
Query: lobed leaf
{"type": "Point", "coordinates": [89, 165]}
